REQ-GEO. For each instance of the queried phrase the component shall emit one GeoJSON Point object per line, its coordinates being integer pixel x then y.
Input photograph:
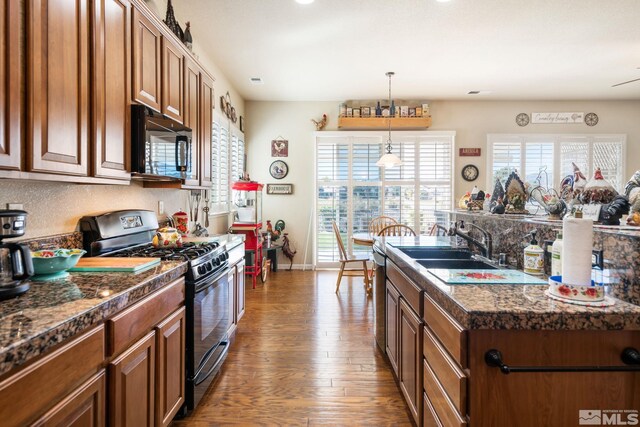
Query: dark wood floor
{"type": "Point", "coordinates": [304, 356]}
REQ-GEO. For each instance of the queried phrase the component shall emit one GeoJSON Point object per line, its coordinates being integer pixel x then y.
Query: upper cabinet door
{"type": "Point", "coordinates": [172, 81]}
{"type": "Point", "coordinates": [58, 86]}
{"type": "Point", "coordinates": [191, 113]}
{"type": "Point", "coordinates": [111, 86]}
{"type": "Point", "coordinates": [206, 123]}
{"type": "Point", "coordinates": [146, 61]}
{"type": "Point", "coordinates": [10, 81]}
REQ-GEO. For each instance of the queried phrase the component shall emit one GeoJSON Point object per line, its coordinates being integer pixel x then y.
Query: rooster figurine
{"type": "Point", "coordinates": [632, 191]}
{"type": "Point", "coordinates": [322, 123]}
{"type": "Point", "coordinates": [287, 250]}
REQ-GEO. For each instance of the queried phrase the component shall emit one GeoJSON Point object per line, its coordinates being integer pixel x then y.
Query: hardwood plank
{"type": "Point", "coordinates": [304, 356]}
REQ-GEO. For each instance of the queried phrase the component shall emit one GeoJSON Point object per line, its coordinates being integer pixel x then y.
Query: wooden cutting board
{"type": "Point", "coordinates": [123, 264]}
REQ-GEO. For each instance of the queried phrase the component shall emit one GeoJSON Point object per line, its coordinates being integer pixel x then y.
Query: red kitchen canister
{"type": "Point", "coordinates": [181, 221]}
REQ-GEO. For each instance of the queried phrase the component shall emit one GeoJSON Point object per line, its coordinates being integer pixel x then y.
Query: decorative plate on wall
{"type": "Point", "coordinates": [591, 119]}
{"type": "Point", "coordinates": [522, 119]}
{"type": "Point", "coordinates": [278, 169]}
{"type": "Point", "coordinates": [470, 172]}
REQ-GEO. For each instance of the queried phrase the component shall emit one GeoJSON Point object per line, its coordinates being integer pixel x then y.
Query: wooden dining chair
{"type": "Point", "coordinates": [344, 260]}
{"type": "Point", "coordinates": [397, 230]}
{"type": "Point", "coordinates": [379, 223]}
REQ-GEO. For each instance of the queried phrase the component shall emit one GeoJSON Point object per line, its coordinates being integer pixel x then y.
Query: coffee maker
{"type": "Point", "coordinates": [15, 258]}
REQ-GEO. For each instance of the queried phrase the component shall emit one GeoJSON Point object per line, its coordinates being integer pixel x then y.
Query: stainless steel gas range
{"type": "Point", "coordinates": [208, 285]}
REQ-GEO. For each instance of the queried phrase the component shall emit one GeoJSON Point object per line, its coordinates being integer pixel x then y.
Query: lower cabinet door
{"type": "Point", "coordinates": [83, 407]}
{"type": "Point", "coordinates": [410, 359]}
{"type": "Point", "coordinates": [239, 291]}
{"type": "Point", "coordinates": [132, 385]}
{"type": "Point", "coordinates": [170, 335]}
{"type": "Point", "coordinates": [391, 325]}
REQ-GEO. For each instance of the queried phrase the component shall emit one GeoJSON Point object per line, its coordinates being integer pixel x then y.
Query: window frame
{"type": "Point", "coordinates": [557, 140]}
{"type": "Point", "coordinates": [235, 138]}
{"type": "Point", "coordinates": [364, 137]}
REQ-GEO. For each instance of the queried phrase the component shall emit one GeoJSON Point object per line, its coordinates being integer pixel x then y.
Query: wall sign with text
{"type": "Point", "coordinates": [470, 152]}
{"type": "Point", "coordinates": [557, 118]}
{"type": "Point", "coordinates": [279, 188]}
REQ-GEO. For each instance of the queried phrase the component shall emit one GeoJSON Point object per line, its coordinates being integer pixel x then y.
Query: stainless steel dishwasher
{"type": "Point", "coordinates": [379, 285]}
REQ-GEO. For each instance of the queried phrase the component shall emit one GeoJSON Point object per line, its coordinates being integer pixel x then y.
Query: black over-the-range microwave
{"type": "Point", "coordinates": [161, 148]}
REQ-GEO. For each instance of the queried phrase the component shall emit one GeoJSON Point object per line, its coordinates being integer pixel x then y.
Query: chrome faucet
{"type": "Point", "coordinates": [485, 245]}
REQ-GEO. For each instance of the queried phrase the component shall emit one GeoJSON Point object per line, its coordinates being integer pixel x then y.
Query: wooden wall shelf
{"type": "Point", "coordinates": [383, 122]}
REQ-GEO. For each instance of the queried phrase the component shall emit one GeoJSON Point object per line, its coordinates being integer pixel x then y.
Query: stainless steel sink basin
{"type": "Point", "coordinates": [436, 253]}
{"type": "Point", "coordinates": [468, 264]}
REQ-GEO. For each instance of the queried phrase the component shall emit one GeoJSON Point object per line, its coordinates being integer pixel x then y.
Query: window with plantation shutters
{"type": "Point", "coordinates": [215, 165]}
{"type": "Point", "coordinates": [223, 177]}
{"type": "Point", "coordinates": [352, 190]}
{"type": "Point", "coordinates": [546, 159]}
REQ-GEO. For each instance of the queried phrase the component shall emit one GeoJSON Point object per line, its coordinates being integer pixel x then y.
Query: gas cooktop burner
{"type": "Point", "coordinates": [189, 251]}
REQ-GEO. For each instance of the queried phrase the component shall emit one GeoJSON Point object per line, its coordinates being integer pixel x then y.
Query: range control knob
{"type": "Point", "coordinates": [201, 269]}
{"type": "Point", "coordinates": [209, 266]}
{"type": "Point", "coordinates": [216, 262]}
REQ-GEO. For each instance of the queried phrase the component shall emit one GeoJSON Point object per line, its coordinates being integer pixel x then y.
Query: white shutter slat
{"type": "Point", "coordinates": [507, 157]}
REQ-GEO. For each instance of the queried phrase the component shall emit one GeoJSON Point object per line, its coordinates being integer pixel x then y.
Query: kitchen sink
{"type": "Point", "coordinates": [436, 253]}
{"type": "Point", "coordinates": [467, 264]}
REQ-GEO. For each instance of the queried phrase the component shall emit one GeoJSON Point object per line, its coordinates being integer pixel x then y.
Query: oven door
{"type": "Point", "coordinates": [212, 318]}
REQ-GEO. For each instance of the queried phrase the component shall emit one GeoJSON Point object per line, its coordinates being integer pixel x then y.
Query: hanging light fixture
{"type": "Point", "coordinates": [389, 160]}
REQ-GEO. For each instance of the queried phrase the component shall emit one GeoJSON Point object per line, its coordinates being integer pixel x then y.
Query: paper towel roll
{"type": "Point", "coordinates": [577, 234]}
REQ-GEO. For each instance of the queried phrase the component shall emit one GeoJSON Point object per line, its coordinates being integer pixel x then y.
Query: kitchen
{"type": "Point", "coordinates": [56, 198]}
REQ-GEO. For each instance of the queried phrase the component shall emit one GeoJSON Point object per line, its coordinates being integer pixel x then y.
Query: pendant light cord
{"type": "Point", "coordinates": [389, 74]}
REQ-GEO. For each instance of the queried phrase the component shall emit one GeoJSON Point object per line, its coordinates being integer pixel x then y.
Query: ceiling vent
{"type": "Point", "coordinates": [478, 92]}
{"type": "Point", "coordinates": [256, 80]}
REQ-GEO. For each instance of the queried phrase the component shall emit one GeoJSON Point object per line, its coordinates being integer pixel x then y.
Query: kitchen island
{"type": "Point", "coordinates": [439, 336]}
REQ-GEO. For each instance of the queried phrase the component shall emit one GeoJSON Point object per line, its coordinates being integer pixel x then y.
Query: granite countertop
{"type": "Point", "coordinates": [53, 311]}
{"type": "Point", "coordinates": [508, 306]}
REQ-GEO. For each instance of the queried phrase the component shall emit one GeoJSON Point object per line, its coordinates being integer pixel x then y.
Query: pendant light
{"type": "Point", "coordinates": [389, 160]}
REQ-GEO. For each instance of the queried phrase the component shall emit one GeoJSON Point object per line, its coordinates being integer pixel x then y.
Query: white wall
{"type": "Point", "coordinates": [472, 121]}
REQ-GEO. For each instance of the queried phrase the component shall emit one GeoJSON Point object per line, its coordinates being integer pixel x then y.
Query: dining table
{"type": "Point", "coordinates": [362, 239]}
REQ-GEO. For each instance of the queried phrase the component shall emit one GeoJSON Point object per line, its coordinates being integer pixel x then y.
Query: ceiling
{"type": "Point", "coordinates": [340, 49]}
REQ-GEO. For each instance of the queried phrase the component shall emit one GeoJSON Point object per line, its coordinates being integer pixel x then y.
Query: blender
{"type": "Point", "coordinates": [15, 258]}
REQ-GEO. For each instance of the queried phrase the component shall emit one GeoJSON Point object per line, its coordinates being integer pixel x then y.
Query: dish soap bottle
{"type": "Point", "coordinates": [534, 257]}
{"type": "Point", "coordinates": [556, 256]}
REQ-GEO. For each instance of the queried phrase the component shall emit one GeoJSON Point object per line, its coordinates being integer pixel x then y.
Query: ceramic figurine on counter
{"type": "Point", "coordinates": [498, 195]}
{"type": "Point", "coordinates": [598, 190]}
{"type": "Point", "coordinates": [611, 213]}
{"type": "Point", "coordinates": [498, 208]}
{"type": "Point", "coordinates": [516, 195]}
{"type": "Point", "coordinates": [632, 191]}
{"type": "Point", "coordinates": [477, 199]}
{"type": "Point", "coordinates": [462, 203]}
{"type": "Point", "coordinates": [550, 202]}
{"type": "Point", "coordinates": [571, 186]}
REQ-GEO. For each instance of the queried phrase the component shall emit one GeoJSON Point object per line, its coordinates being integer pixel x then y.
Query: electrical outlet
{"type": "Point", "coordinates": [15, 206]}
{"type": "Point", "coordinates": [160, 207]}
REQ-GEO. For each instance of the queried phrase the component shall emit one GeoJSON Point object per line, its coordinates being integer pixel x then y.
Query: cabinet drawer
{"type": "Point", "coordinates": [444, 408]}
{"type": "Point", "coordinates": [451, 377]}
{"type": "Point", "coordinates": [411, 292]}
{"type": "Point", "coordinates": [430, 419]}
{"type": "Point", "coordinates": [29, 393]}
{"type": "Point", "coordinates": [140, 318]}
{"type": "Point", "coordinates": [450, 333]}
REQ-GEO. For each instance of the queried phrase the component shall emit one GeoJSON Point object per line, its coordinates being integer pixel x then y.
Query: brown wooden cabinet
{"type": "Point", "coordinates": [11, 77]}
{"type": "Point", "coordinates": [84, 407]}
{"type": "Point", "coordinates": [132, 384]}
{"type": "Point", "coordinates": [172, 81]}
{"type": "Point", "coordinates": [170, 380]}
{"type": "Point", "coordinates": [53, 381]}
{"type": "Point", "coordinates": [410, 358]}
{"type": "Point", "coordinates": [111, 89]}
{"type": "Point", "coordinates": [59, 35]}
{"type": "Point", "coordinates": [206, 123]}
{"type": "Point", "coordinates": [391, 324]}
{"type": "Point", "coordinates": [147, 61]}
{"type": "Point", "coordinates": [192, 116]}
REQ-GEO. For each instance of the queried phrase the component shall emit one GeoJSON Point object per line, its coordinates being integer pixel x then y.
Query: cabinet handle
{"type": "Point", "coordinates": [629, 356]}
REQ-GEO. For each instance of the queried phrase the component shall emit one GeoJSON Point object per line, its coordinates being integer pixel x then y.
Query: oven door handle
{"type": "Point", "coordinates": [197, 379]}
{"type": "Point", "coordinates": [206, 282]}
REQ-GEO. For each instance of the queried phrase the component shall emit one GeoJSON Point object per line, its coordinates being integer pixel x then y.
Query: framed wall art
{"type": "Point", "coordinates": [279, 188]}
{"type": "Point", "coordinates": [279, 147]}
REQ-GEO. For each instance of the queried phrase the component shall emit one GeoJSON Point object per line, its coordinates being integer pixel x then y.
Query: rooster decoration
{"type": "Point", "coordinates": [287, 250]}
{"type": "Point", "coordinates": [320, 124]}
{"type": "Point", "coordinates": [632, 191]}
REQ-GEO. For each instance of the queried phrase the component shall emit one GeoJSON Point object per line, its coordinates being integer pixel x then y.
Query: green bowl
{"type": "Point", "coordinates": [55, 260]}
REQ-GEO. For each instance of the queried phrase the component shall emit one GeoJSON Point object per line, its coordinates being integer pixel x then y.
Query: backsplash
{"type": "Point", "coordinates": [621, 247]}
{"type": "Point", "coordinates": [54, 208]}
{"type": "Point", "coordinates": [65, 241]}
